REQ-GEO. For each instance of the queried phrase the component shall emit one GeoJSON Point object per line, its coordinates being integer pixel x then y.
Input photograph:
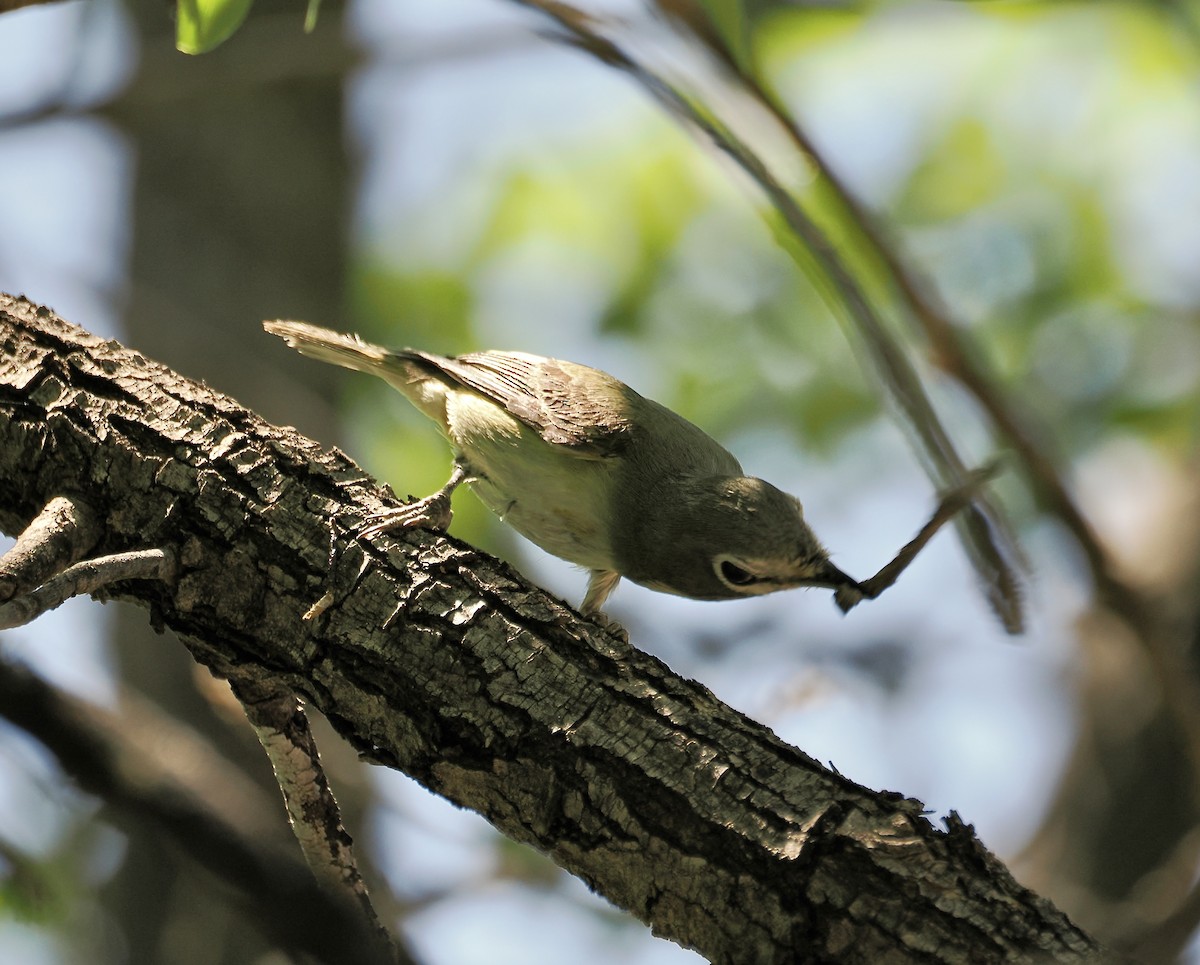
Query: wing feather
{"type": "Point", "coordinates": [567, 404]}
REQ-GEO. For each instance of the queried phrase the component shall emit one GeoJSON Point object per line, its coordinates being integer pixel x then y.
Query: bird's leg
{"type": "Point", "coordinates": [432, 512]}
{"type": "Point", "coordinates": [601, 583]}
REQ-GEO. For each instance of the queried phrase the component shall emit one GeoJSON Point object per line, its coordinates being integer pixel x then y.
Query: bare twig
{"type": "Point", "coordinates": [87, 577]}
{"type": "Point", "coordinates": [279, 720]}
{"type": "Point", "coordinates": [895, 370]}
{"type": "Point", "coordinates": [951, 504]}
{"type": "Point", "coordinates": [62, 533]}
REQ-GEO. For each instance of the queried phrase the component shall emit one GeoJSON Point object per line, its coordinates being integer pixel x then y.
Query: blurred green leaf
{"type": "Point", "coordinates": [782, 36]}
{"type": "Point", "coordinates": [616, 201]}
{"type": "Point", "coordinates": [521, 863]}
{"type": "Point", "coordinates": [310, 16]}
{"type": "Point", "coordinates": [960, 172]}
{"type": "Point", "coordinates": [201, 25]}
{"type": "Point", "coordinates": [43, 890]}
{"type": "Point", "coordinates": [429, 309]}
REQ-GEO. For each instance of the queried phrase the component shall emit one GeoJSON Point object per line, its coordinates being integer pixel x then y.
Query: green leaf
{"type": "Point", "coordinates": [201, 25]}
{"type": "Point", "coordinates": [310, 16]}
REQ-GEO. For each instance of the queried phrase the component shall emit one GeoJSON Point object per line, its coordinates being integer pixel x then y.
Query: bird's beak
{"type": "Point", "coordinates": [830, 576]}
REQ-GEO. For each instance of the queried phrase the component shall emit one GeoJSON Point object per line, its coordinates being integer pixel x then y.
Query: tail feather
{"type": "Point", "coordinates": [415, 375]}
{"type": "Point", "coordinates": [349, 351]}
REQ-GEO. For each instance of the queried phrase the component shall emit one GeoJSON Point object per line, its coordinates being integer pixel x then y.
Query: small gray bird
{"type": "Point", "coordinates": [592, 472]}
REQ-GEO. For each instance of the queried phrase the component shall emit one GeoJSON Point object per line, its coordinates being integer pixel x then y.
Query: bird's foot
{"type": "Point", "coordinates": [601, 583]}
{"type": "Point", "coordinates": [432, 512]}
{"type": "Point", "coordinates": [609, 624]}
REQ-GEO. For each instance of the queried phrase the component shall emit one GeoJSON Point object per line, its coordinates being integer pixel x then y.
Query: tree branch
{"type": "Point", "coordinates": [435, 659]}
{"type": "Point", "coordinates": [62, 533]}
{"type": "Point", "coordinates": [89, 576]}
{"type": "Point", "coordinates": [279, 720]}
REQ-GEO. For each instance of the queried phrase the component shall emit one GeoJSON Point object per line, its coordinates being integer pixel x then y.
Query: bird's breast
{"type": "Point", "coordinates": [551, 495]}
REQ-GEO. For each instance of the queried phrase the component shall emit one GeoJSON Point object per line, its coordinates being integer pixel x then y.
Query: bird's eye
{"type": "Point", "coordinates": [734, 574]}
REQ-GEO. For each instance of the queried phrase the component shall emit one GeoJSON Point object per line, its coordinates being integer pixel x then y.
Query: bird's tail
{"type": "Point", "coordinates": [416, 375]}
{"type": "Point", "coordinates": [349, 351]}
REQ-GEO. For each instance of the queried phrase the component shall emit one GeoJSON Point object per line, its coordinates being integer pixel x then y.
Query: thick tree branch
{"type": "Point", "coordinates": [437, 660]}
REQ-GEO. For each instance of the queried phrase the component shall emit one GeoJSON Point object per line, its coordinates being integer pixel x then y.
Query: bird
{"type": "Point", "coordinates": [593, 472]}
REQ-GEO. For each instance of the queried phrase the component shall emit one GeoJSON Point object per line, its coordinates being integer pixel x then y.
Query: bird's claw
{"type": "Point", "coordinates": [432, 512]}
{"type": "Point", "coordinates": [610, 625]}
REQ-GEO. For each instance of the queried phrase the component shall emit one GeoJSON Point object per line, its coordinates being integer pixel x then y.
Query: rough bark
{"type": "Point", "coordinates": [444, 663]}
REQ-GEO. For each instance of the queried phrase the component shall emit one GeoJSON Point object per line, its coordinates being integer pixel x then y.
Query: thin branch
{"type": "Point", "coordinates": [895, 370]}
{"type": "Point", "coordinates": [287, 903]}
{"type": "Point", "coordinates": [279, 720]}
{"type": "Point", "coordinates": [87, 577]}
{"type": "Point", "coordinates": [62, 533]}
{"type": "Point", "coordinates": [951, 505]}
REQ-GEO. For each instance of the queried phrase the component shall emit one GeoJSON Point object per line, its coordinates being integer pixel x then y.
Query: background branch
{"type": "Point", "coordinates": [289, 906]}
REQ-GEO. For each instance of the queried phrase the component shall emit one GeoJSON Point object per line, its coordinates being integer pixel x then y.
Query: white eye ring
{"type": "Point", "coordinates": [732, 573]}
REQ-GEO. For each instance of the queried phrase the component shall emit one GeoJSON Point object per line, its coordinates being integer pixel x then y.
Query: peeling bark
{"type": "Point", "coordinates": [435, 659]}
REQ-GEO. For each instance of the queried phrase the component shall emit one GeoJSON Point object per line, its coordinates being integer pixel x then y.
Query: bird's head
{"type": "Point", "coordinates": [721, 538]}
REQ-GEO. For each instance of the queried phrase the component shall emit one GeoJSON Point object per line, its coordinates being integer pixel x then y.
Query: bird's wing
{"type": "Point", "coordinates": [567, 404]}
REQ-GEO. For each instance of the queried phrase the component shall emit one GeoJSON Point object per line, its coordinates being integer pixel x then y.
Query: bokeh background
{"type": "Point", "coordinates": [443, 174]}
